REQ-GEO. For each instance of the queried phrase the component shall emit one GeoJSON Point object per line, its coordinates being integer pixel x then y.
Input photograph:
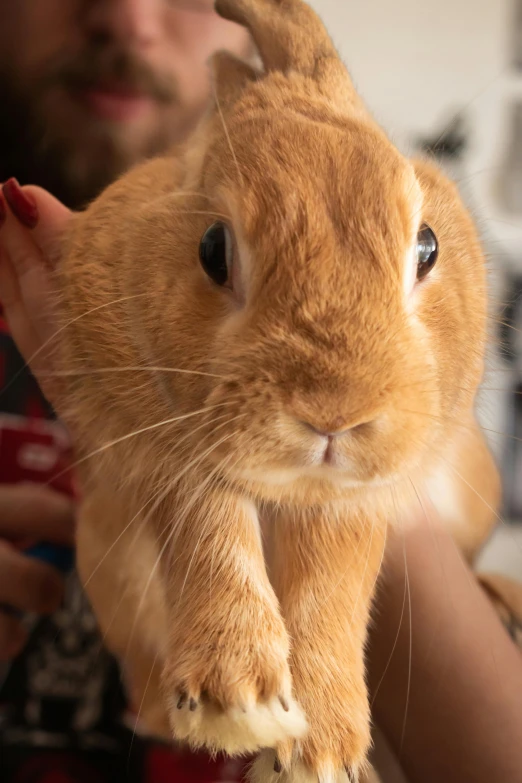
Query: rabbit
{"type": "Point", "coordinates": [271, 344]}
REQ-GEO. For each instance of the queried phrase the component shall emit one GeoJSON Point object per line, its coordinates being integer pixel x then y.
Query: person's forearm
{"type": "Point", "coordinates": [463, 719]}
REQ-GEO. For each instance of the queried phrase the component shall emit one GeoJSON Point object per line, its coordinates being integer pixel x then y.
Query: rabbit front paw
{"type": "Point", "coordinates": [268, 769]}
{"type": "Point", "coordinates": [233, 693]}
{"type": "Point", "coordinates": [336, 755]}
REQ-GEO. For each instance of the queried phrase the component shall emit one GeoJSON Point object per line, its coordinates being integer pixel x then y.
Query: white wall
{"type": "Point", "coordinates": [414, 59]}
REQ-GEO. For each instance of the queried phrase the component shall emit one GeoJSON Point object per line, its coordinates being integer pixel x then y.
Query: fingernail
{"type": "Point", "coordinates": [22, 204]}
{"type": "Point", "coordinates": [3, 213]}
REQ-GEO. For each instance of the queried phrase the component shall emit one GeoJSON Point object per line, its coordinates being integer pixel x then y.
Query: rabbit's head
{"type": "Point", "coordinates": [322, 293]}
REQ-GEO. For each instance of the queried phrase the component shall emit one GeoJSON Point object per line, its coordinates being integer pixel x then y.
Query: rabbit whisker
{"type": "Point", "coordinates": [138, 714]}
{"type": "Point", "coordinates": [227, 134]}
{"type": "Point", "coordinates": [62, 328]}
{"type": "Point", "coordinates": [488, 506]}
{"type": "Point", "coordinates": [208, 213]}
{"type": "Point", "coordinates": [118, 370]}
{"type": "Point", "coordinates": [150, 500]}
{"type": "Point", "coordinates": [170, 536]}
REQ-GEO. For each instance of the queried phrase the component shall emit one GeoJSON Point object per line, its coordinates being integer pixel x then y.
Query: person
{"type": "Point", "coordinates": [445, 682]}
{"type": "Point", "coordinates": [87, 89]}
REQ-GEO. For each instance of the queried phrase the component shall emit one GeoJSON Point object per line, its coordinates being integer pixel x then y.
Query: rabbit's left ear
{"type": "Point", "coordinates": [290, 37]}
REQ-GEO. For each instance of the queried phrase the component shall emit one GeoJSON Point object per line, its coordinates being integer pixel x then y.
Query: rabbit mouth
{"type": "Point", "coordinates": [322, 473]}
{"type": "Point", "coordinates": [330, 455]}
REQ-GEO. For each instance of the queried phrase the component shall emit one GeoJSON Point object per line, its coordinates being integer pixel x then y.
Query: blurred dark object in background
{"type": "Point", "coordinates": [450, 143]}
{"type": "Point", "coordinates": [510, 180]}
{"type": "Point", "coordinates": [517, 34]}
{"type": "Point", "coordinates": [510, 333]}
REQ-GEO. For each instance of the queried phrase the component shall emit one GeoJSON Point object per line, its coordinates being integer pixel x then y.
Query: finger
{"type": "Point", "coordinates": [12, 637]}
{"type": "Point", "coordinates": [36, 209]}
{"type": "Point", "coordinates": [10, 294]}
{"type": "Point", "coordinates": [27, 584]}
{"type": "Point", "coordinates": [36, 512]}
{"type": "Point", "coordinates": [18, 290]}
{"type": "Point", "coordinates": [29, 284]}
{"type": "Point", "coordinates": [26, 283]}
{"type": "Point", "coordinates": [55, 218]}
{"type": "Point", "coordinates": [17, 240]}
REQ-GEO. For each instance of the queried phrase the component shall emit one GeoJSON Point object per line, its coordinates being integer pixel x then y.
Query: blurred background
{"type": "Point", "coordinates": [446, 75]}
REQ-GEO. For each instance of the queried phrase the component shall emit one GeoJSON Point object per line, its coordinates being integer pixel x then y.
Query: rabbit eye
{"type": "Point", "coordinates": [215, 253]}
{"type": "Point", "coordinates": [427, 251]}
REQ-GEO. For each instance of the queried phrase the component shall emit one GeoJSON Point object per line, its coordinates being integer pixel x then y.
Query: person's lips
{"type": "Point", "coordinates": [115, 103]}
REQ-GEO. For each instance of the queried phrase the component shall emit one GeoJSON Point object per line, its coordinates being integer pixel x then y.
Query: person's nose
{"type": "Point", "coordinates": [137, 23]}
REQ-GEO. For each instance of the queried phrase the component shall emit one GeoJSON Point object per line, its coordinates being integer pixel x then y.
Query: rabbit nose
{"type": "Point", "coordinates": [322, 433]}
{"type": "Point", "coordinates": [336, 428]}
{"type": "Point", "coordinates": [333, 430]}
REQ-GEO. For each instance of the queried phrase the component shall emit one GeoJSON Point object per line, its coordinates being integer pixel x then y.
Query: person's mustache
{"type": "Point", "coordinates": [94, 68]}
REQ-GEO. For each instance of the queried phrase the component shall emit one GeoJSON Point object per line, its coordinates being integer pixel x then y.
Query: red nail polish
{"type": "Point", "coordinates": [22, 204]}
{"type": "Point", "coordinates": [3, 213]}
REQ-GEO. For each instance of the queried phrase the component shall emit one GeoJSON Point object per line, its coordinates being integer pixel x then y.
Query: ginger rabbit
{"type": "Point", "coordinates": [273, 340]}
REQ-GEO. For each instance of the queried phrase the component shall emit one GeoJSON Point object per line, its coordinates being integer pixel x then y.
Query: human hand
{"type": "Point", "coordinates": [445, 676]}
{"type": "Point", "coordinates": [29, 513]}
{"type": "Point", "coordinates": [31, 225]}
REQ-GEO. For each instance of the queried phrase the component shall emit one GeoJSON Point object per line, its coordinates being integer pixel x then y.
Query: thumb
{"type": "Point", "coordinates": [26, 285]}
{"type": "Point", "coordinates": [54, 220]}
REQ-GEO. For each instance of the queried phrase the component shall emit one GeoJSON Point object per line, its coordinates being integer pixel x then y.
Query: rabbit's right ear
{"type": "Point", "coordinates": [290, 37]}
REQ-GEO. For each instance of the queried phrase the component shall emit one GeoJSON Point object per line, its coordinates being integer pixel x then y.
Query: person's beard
{"type": "Point", "coordinates": [76, 160]}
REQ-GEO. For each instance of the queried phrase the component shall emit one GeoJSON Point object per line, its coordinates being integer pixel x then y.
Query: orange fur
{"type": "Point", "coordinates": [325, 213]}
